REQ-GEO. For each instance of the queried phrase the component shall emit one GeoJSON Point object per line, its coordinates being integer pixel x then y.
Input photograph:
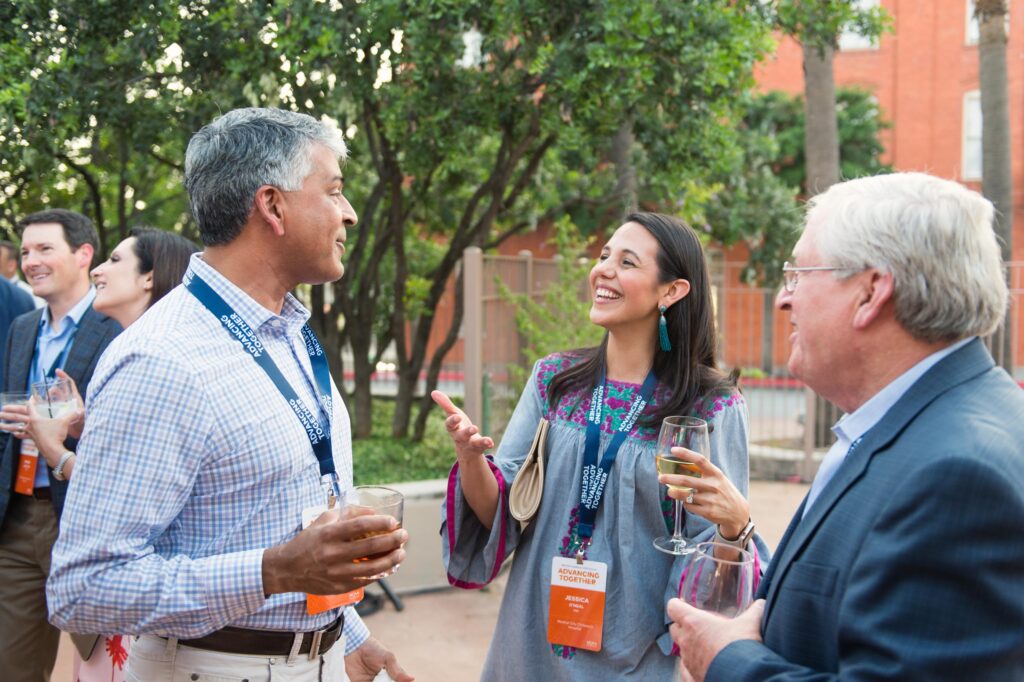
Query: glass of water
{"type": "Point", "coordinates": [53, 398]}
{"type": "Point", "coordinates": [13, 398]}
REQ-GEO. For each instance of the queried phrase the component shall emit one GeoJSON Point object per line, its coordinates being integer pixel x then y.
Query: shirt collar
{"type": "Point", "coordinates": [74, 315]}
{"type": "Point", "coordinates": [293, 313]}
{"type": "Point", "coordinates": [854, 425]}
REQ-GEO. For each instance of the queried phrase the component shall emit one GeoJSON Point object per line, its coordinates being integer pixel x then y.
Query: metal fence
{"type": "Point", "coordinates": [492, 342]}
{"type": "Point", "coordinates": [788, 423]}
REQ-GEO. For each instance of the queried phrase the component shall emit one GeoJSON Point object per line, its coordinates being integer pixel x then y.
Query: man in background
{"type": "Point", "coordinates": [57, 248]}
{"type": "Point", "coordinates": [9, 256]}
{"type": "Point", "coordinates": [905, 561]}
{"type": "Point", "coordinates": [13, 302]}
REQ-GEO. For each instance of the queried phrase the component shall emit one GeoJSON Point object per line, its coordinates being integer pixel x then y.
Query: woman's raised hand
{"type": "Point", "coordinates": [714, 496]}
{"type": "Point", "coordinates": [469, 444]}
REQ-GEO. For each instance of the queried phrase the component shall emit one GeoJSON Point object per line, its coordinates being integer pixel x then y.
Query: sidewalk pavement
{"type": "Point", "coordinates": [443, 635]}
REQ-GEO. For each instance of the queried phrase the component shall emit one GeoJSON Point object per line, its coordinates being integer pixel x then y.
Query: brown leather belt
{"type": "Point", "coordinates": [39, 494]}
{"type": "Point", "coordinates": [231, 640]}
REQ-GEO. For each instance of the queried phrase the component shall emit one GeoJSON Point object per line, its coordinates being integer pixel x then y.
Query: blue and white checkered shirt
{"type": "Point", "coordinates": [191, 465]}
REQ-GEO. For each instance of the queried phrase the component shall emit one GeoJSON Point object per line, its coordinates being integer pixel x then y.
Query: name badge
{"type": "Point", "coordinates": [318, 603]}
{"type": "Point", "coordinates": [25, 481]}
{"type": "Point", "coordinates": [576, 611]}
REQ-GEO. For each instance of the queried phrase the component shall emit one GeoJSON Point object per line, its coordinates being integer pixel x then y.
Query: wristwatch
{"type": "Point", "coordinates": [58, 471]}
{"type": "Point", "coordinates": [742, 540]}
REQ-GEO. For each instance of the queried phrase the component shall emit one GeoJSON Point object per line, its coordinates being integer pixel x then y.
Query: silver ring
{"type": "Point", "coordinates": [689, 498]}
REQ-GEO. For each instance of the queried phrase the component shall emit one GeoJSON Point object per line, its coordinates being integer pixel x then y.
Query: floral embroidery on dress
{"type": "Point", "coordinates": [574, 405]}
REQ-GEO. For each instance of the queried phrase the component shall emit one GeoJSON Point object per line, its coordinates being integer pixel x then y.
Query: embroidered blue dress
{"type": "Point", "coordinates": [635, 510]}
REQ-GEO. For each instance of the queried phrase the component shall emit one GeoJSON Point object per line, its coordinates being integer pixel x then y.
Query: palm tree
{"type": "Point", "coordinates": [821, 130]}
{"type": "Point", "coordinates": [996, 173]}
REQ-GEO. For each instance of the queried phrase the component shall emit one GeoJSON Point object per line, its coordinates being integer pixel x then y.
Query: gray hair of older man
{"type": "Point", "coordinates": [228, 160]}
{"type": "Point", "coordinates": [935, 236]}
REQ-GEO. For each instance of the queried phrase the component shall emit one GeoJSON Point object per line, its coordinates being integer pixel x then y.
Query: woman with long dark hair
{"type": "Point", "coordinates": [650, 292]}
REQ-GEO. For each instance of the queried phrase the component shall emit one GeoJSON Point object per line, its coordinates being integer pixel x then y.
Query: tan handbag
{"type": "Point", "coordinates": [528, 487]}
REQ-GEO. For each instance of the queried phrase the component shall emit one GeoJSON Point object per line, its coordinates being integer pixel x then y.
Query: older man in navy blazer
{"type": "Point", "coordinates": [906, 560]}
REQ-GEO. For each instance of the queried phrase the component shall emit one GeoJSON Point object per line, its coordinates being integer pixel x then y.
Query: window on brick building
{"type": "Point", "coordinates": [971, 159]}
{"type": "Point", "coordinates": [850, 41]}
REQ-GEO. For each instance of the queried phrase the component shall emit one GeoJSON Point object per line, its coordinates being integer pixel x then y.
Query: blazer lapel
{"type": "Point", "coordinates": [23, 347]}
{"type": "Point", "coordinates": [966, 363]}
{"type": "Point", "coordinates": [83, 350]}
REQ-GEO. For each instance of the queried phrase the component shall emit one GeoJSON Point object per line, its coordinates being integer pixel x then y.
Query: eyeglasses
{"type": "Point", "coordinates": [791, 274]}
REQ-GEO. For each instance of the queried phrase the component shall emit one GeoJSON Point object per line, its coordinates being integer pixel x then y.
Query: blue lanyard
{"type": "Point", "coordinates": [58, 362]}
{"type": "Point", "coordinates": [319, 437]}
{"type": "Point", "coordinates": [595, 474]}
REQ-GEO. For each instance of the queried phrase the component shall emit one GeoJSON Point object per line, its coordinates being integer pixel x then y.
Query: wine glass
{"type": "Point", "coordinates": [679, 432]}
{"type": "Point", "coordinates": [720, 578]}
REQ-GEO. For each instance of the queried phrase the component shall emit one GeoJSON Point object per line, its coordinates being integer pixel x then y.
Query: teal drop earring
{"type": "Point", "coordinates": [666, 345]}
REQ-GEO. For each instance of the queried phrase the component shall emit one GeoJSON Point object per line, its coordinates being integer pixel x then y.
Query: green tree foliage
{"type": "Point", "coordinates": [560, 319]}
{"type": "Point", "coordinates": [450, 147]}
{"type": "Point", "coordinates": [820, 22]}
{"type": "Point", "coordinates": [469, 148]}
{"type": "Point", "coordinates": [757, 200]}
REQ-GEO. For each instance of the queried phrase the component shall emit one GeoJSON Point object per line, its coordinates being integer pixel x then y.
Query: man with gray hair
{"type": "Point", "coordinates": [905, 561]}
{"type": "Point", "coordinates": [205, 514]}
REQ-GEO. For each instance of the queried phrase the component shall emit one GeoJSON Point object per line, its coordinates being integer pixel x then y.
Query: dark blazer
{"type": "Point", "coordinates": [910, 565]}
{"type": "Point", "coordinates": [13, 302]}
{"type": "Point", "coordinates": [95, 332]}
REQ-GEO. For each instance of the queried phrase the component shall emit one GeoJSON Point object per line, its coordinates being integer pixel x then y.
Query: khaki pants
{"type": "Point", "coordinates": [155, 659]}
{"type": "Point", "coordinates": [28, 643]}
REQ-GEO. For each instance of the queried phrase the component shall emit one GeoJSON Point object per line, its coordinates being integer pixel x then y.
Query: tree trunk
{"type": "Point", "coordinates": [324, 322]}
{"type": "Point", "coordinates": [821, 154]}
{"type": "Point", "coordinates": [360, 339]}
{"type": "Point", "coordinates": [96, 199]}
{"type": "Point", "coordinates": [821, 130]}
{"type": "Point", "coordinates": [622, 157]}
{"type": "Point", "coordinates": [434, 370]}
{"type": "Point", "coordinates": [768, 333]}
{"type": "Point", "coordinates": [997, 175]}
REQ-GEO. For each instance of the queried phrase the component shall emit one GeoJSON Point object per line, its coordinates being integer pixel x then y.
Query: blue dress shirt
{"type": "Point", "coordinates": [850, 427]}
{"type": "Point", "coordinates": [52, 348]}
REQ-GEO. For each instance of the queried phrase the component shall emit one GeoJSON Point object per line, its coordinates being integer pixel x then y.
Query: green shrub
{"type": "Point", "coordinates": [382, 459]}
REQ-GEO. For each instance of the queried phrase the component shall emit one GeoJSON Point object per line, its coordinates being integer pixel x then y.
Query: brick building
{"type": "Point", "coordinates": [924, 76]}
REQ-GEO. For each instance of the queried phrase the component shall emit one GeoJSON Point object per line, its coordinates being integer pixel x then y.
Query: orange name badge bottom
{"type": "Point", "coordinates": [576, 611]}
{"type": "Point", "coordinates": [28, 460]}
{"type": "Point", "coordinates": [318, 603]}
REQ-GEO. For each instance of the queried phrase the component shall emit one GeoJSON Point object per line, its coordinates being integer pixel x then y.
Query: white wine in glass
{"type": "Point", "coordinates": [679, 432]}
{"type": "Point", "coordinates": [670, 464]}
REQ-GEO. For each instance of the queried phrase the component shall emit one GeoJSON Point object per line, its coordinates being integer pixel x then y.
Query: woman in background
{"type": "Point", "coordinates": [139, 272]}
